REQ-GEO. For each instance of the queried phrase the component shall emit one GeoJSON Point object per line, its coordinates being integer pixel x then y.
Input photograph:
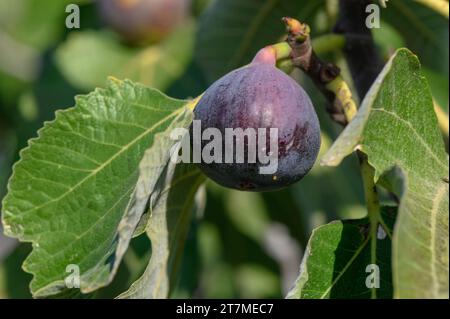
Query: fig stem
{"type": "Point", "coordinates": [279, 54]}
{"type": "Point", "coordinates": [285, 65]}
{"type": "Point", "coordinates": [271, 54]}
{"type": "Point", "coordinates": [282, 50]}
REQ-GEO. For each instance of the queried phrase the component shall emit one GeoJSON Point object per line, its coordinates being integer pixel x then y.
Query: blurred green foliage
{"type": "Point", "coordinates": [230, 249]}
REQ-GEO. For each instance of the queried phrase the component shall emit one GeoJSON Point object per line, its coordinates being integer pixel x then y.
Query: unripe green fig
{"type": "Point", "coordinates": [260, 96]}
{"type": "Point", "coordinates": [143, 21]}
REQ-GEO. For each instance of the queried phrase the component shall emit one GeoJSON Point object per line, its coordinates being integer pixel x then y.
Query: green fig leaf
{"type": "Point", "coordinates": [77, 195]}
{"type": "Point", "coordinates": [397, 128]}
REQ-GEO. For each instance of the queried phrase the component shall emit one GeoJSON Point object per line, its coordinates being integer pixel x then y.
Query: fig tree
{"type": "Point", "coordinates": [143, 21]}
{"type": "Point", "coordinates": [257, 98]}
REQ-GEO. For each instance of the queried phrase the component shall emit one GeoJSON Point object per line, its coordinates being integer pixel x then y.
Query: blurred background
{"type": "Point", "coordinates": [243, 245]}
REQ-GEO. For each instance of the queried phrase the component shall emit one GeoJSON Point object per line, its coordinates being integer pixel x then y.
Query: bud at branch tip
{"type": "Point", "coordinates": [300, 31]}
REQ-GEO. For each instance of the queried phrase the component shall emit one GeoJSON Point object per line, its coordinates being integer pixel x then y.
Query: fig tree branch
{"type": "Point", "coordinates": [325, 75]}
{"type": "Point", "coordinates": [327, 78]}
{"type": "Point", "coordinates": [359, 50]}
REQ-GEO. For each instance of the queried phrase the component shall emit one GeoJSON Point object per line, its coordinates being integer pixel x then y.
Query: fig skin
{"type": "Point", "coordinates": [261, 96]}
{"type": "Point", "coordinates": [143, 21]}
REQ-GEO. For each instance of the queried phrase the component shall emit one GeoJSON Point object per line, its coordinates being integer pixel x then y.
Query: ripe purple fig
{"type": "Point", "coordinates": [143, 21]}
{"type": "Point", "coordinates": [260, 96]}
